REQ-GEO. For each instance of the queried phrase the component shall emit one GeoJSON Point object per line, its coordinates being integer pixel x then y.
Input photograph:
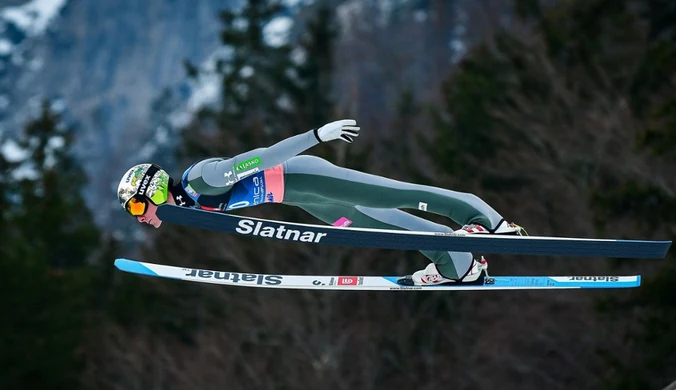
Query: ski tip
{"type": "Point", "coordinates": [133, 267]}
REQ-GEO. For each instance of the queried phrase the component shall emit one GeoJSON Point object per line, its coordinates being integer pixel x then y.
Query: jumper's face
{"type": "Point", "coordinates": [150, 216]}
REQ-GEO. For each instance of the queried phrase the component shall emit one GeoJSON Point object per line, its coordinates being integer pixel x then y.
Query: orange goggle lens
{"type": "Point", "coordinates": [136, 207]}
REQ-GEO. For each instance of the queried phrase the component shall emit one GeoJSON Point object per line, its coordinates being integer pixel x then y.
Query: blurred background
{"type": "Point", "coordinates": [560, 114]}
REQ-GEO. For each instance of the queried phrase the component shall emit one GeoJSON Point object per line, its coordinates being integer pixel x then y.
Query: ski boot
{"type": "Point", "coordinates": [430, 276]}
{"type": "Point", "coordinates": [504, 227]}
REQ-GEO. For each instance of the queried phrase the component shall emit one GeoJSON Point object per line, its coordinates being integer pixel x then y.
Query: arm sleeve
{"type": "Point", "coordinates": [215, 176]}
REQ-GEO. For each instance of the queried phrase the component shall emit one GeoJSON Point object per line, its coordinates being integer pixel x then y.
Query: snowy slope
{"type": "Point", "coordinates": [32, 17]}
{"type": "Point", "coordinates": [20, 25]}
{"type": "Point", "coordinates": [108, 61]}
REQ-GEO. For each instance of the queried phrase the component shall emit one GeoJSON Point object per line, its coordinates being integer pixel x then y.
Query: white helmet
{"type": "Point", "coordinates": [141, 183]}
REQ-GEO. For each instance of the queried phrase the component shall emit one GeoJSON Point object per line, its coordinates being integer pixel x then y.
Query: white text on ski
{"type": "Point", "coordinates": [246, 226]}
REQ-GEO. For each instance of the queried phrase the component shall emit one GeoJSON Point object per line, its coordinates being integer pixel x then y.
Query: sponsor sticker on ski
{"type": "Point", "coordinates": [347, 281]}
{"type": "Point", "coordinates": [594, 278]}
{"type": "Point", "coordinates": [350, 280]}
{"type": "Point", "coordinates": [234, 277]}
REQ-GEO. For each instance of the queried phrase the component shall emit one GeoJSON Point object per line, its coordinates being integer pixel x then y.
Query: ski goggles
{"type": "Point", "coordinates": [136, 205]}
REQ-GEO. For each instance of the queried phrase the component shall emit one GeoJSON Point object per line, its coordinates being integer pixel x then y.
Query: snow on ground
{"type": "Point", "coordinates": [53, 145]}
{"type": "Point", "coordinates": [13, 152]}
{"type": "Point", "coordinates": [5, 46]}
{"type": "Point", "coordinates": [25, 171]}
{"type": "Point", "coordinates": [34, 16]}
{"type": "Point", "coordinates": [276, 32]}
{"type": "Point", "coordinates": [205, 90]}
{"type": "Point", "coordinates": [298, 56]}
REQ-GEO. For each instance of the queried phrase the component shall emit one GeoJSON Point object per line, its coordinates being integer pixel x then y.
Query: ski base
{"type": "Point", "coordinates": [370, 283]}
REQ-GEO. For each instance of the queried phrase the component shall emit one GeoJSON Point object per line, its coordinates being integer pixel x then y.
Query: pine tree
{"type": "Point", "coordinates": [648, 203]}
{"type": "Point", "coordinates": [552, 126]}
{"type": "Point", "coordinates": [45, 275]}
{"type": "Point", "coordinates": [314, 65]}
{"type": "Point", "coordinates": [255, 78]}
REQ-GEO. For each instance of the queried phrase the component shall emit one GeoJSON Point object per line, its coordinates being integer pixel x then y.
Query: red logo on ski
{"type": "Point", "coordinates": [347, 281]}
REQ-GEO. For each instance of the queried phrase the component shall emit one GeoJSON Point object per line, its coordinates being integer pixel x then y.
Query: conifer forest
{"type": "Point", "coordinates": [561, 114]}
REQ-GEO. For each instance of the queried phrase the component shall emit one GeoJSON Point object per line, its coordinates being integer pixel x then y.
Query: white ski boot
{"type": "Point", "coordinates": [430, 276]}
{"type": "Point", "coordinates": [504, 227]}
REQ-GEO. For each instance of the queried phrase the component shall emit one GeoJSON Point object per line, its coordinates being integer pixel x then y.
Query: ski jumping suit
{"type": "Point", "coordinates": [335, 195]}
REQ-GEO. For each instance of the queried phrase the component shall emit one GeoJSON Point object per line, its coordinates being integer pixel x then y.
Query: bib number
{"type": "Point", "coordinates": [239, 205]}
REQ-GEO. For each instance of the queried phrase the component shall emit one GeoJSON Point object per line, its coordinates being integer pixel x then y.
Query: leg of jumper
{"type": "Point", "coordinates": [451, 265]}
{"type": "Point", "coordinates": [310, 179]}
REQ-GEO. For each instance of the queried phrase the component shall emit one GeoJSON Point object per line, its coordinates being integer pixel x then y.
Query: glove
{"type": "Point", "coordinates": [345, 130]}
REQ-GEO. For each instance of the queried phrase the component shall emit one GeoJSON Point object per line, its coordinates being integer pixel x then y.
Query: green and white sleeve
{"type": "Point", "coordinates": [215, 176]}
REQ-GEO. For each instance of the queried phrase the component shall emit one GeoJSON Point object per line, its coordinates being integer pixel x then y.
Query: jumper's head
{"type": "Point", "coordinates": [142, 188]}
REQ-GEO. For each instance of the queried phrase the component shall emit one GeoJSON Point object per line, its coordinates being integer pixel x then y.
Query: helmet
{"type": "Point", "coordinates": [140, 184]}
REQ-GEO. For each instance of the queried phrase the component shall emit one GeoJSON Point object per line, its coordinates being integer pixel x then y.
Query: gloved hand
{"type": "Point", "coordinates": [345, 130]}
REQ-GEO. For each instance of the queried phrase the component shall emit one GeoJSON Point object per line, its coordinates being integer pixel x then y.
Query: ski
{"type": "Point", "coordinates": [370, 283]}
{"type": "Point", "coordinates": [411, 240]}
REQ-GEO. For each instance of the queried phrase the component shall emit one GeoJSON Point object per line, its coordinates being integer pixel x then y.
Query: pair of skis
{"type": "Point", "coordinates": [391, 239]}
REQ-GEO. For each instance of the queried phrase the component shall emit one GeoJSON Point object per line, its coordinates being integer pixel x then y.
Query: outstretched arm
{"type": "Point", "coordinates": [216, 176]}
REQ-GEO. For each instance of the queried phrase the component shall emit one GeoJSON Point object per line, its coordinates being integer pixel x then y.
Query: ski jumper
{"type": "Point", "coordinates": [335, 195]}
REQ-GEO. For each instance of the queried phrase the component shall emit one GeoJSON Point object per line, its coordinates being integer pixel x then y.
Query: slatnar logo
{"type": "Point", "coordinates": [594, 278]}
{"type": "Point", "coordinates": [235, 277]}
{"type": "Point", "coordinates": [246, 226]}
